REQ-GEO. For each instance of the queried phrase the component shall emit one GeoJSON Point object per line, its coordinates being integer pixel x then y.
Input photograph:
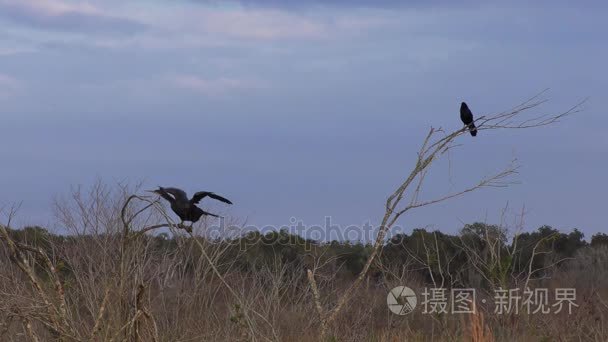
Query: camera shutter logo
{"type": "Point", "coordinates": [401, 300]}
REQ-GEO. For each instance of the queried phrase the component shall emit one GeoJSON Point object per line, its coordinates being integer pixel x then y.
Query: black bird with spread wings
{"type": "Point", "coordinates": [467, 118]}
{"type": "Point", "coordinates": [186, 208]}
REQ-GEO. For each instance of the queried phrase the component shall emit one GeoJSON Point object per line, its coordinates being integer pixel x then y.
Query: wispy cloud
{"type": "Point", "coordinates": [260, 24]}
{"type": "Point", "coordinates": [9, 85]}
{"type": "Point", "coordinates": [61, 15]}
{"type": "Point", "coordinates": [9, 51]}
{"type": "Point", "coordinates": [202, 24]}
{"type": "Point", "coordinates": [198, 24]}
{"type": "Point", "coordinates": [298, 4]}
{"type": "Point", "coordinates": [216, 86]}
{"type": "Point", "coordinates": [156, 25]}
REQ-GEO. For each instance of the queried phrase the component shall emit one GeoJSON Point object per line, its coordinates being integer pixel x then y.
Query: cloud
{"type": "Point", "coordinates": [9, 85]}
{"type": "Point", "coordinates": [387, 4]}
{"type": "Point", "coordinates": [116, 25]}
{"type": "Point", "coordinates": [303, 6]}
{"type": "Point", "coordinates": [204, 23]}
{"type": "Point", "coordinates": [64, 16]}
{"type": "Point", "coordinates": [9, 51]}
{"type": "Point", "coordinates": [260, 24]}
{"type": "Point", "coordinates": [214, 87]}
{"type": "Point", "coordinates": [334, 3]}
{"type": "Point", "coordinates": [199, 24]}
{"type": "Point", "coordinates": [8, 82]}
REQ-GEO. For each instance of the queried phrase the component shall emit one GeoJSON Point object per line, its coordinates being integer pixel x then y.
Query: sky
{"type": "Point", "coordinates": [304, 110]}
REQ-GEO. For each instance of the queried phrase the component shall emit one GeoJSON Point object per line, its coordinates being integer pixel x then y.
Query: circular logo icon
{"type": "Point", "coordinates": [401, 300]}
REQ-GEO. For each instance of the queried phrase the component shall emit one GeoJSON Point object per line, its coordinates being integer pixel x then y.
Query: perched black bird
{"type": "Point", "coordinates": [186, 208]}
{"type": "Point", "coordinates": [467, 118]}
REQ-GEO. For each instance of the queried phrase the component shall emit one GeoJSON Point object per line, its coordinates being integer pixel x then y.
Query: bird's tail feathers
{"type": "Point", "coordinates": [472, 129]}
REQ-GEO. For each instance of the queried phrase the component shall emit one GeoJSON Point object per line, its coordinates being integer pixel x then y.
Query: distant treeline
{"type": "Point", "coordinates": [480, 255]}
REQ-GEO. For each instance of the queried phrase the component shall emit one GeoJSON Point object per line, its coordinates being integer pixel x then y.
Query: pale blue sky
{"type": "Point", "coordinates": [302, 109]}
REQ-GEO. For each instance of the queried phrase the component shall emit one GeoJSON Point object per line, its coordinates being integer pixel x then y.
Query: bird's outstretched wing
{"type": "Point", "coordinates": [179, 194]}
{"type": "Point", "coordinates": [202, 194]}
{"type": "Point", "coordinates": [162, 193]}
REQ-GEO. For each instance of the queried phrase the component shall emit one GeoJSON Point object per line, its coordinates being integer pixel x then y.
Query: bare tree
{"type": "Point", "coordinates": [435, 145]}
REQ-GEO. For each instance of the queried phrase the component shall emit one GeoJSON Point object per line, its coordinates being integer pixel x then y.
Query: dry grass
{"type": "Point", "coordinates": [108, 283]}
{"type": "Point", "coordinates": [478, 330]}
